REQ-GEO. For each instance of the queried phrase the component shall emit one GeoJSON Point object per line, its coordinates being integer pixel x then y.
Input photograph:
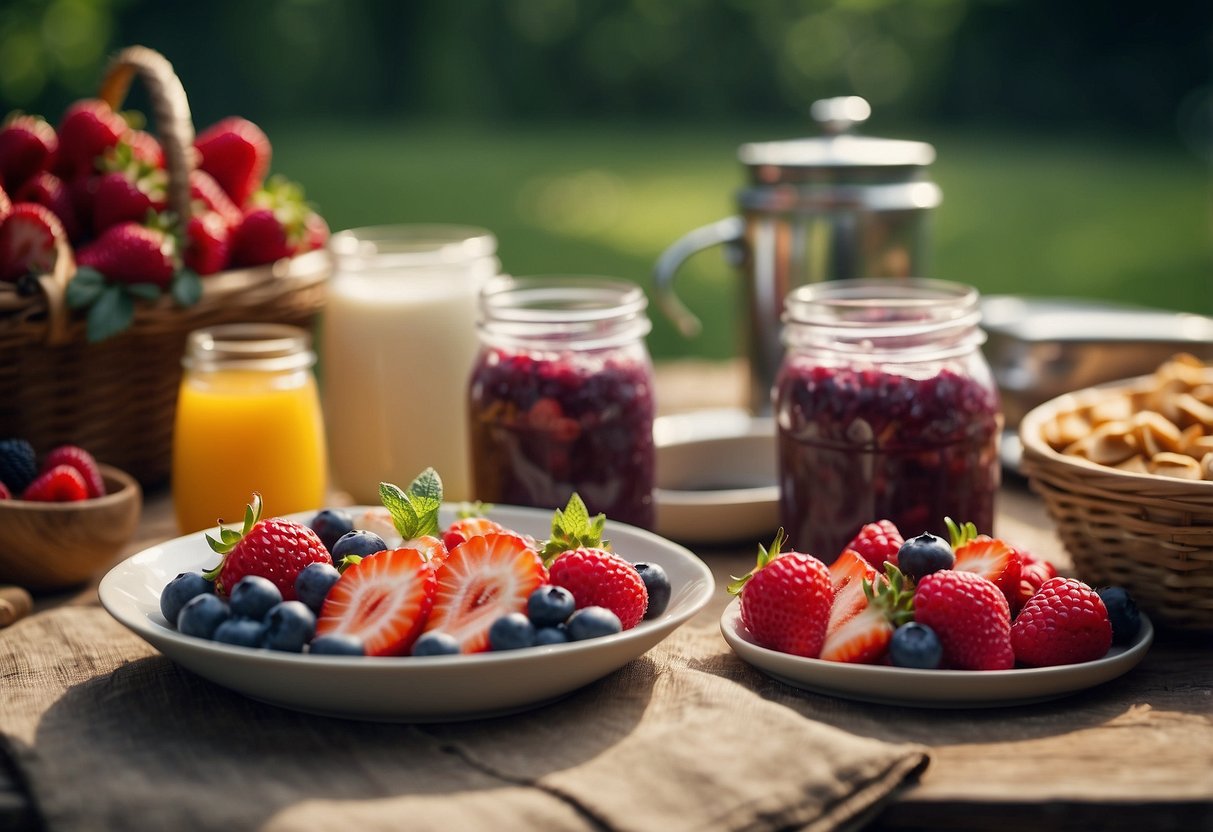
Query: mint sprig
{"type": "Point", "coordinates": [573, 528]}
{"type": "Point", "coordinates": [415, 511]}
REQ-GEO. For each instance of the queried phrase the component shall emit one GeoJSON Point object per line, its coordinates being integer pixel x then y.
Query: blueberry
{"type": "Point", "coordinates": [592, 622]}
{"type": "Point", "coordinates": [180, 591]}
{"type": "Point", "coordinates": [312, 585]}
{"type": "Point", "coordinates": [922, 555]}
{"type": "Point", "coordinates": [511, 632]}
{"type": "Point", "coordinates": [202, 615]}
{"type": "Point", "coordinates": [435, 643]}
{"type": "Point", "coordinates": [1123, 612]}
{"type": "Point", "coordinates": [243, 632]}
{"type": "Point", "coordinates": [337, 645]}
{"type": "Point", "coordinates": [551, 635]}
{"type": "Point", "coordinates": [357, 543]}
{"type": "Point", "coordinates": [915, 645]}
{"type": "Point", "coordinates": [289, 626]}
{"type": "Point", "coordinates": [657, 582]}
{"type": "Point", "coordinates": [550, 605]}
{"type": "Point", "coordinates": [330, 525]}
{"type": "Point", "coordinates": [253, 596]}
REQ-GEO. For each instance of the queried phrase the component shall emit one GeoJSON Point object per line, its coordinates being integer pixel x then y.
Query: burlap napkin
{"type": "Point", "coordinates": [107, 734]}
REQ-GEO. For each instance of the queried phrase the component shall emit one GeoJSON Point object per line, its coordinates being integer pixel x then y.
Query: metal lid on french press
{"type": "Point", "coordinates": [838, 155]}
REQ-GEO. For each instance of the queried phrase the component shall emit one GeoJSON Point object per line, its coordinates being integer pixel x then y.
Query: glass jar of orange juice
{"type": "Point", "coordinates": [248, 419]}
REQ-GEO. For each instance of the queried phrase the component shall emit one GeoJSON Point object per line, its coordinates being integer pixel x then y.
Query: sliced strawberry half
{"type": "Point", "coordinates": [430, 547]}
{"type": "Point", "coordinates": [481, 580]}
{"type": "Point", "coordinates": [469, 527]}
{"type": "Point", "coordinates": [847, 575]}
{"type": "Point", "coordinates": [382, 600]}
{"type": "Point", "coordinates": [29, 241]}
{"type": "Point", "coordinates": [884, 603]}
{"type": "Point", "coordinates": [993, 559]}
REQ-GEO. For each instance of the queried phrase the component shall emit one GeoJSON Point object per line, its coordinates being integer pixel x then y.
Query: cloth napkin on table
{"type": "Point", "coordinates": [108, 734]}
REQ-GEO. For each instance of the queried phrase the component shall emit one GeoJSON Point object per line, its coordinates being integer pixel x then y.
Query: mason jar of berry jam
{"type": "Point", "coordinates": [885, 409]}
{"type": "Point", "coordinates": [561, 396]}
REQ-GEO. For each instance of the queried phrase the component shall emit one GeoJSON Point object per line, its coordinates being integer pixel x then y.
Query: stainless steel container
{"type": "Point", "coordinates": [831, 207]}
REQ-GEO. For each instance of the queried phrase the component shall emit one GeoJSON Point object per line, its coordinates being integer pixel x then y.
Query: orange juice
{"type": "Point", "coordinates": [244, 430]}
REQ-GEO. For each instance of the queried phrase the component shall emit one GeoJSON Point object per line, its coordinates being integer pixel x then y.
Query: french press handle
{"type": "Point", "coordinates": [728, 232]}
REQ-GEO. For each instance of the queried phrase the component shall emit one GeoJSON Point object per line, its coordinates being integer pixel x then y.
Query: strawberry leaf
{"type": "Point", "coordinates": [959, 534]}
{"type": "Point", "coordinates": [573, 528]}
{"type": "Point", "coordinates": [144, 291]}
{"type": "Point", "coordinates": [85, 287]}
{"type": "Point", "coordinates": [765, 556]}
{"type": "Point", "coordinates": [186, 287]}
{"type": "Point", "coordinates": [415, 512]}
{"type": "Point", "coordinates": [112, 312]}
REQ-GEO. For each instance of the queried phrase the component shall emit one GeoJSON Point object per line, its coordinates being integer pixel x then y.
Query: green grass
{"type": "Point", "coordinates": [1024, 215]}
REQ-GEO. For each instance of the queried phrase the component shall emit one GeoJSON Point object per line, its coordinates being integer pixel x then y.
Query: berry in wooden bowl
{"type": "Point", "coordinates": [48, 545]}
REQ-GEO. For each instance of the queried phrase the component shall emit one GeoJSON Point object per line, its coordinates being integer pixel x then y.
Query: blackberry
{"type": "Point", "coordinates": [18, 464]}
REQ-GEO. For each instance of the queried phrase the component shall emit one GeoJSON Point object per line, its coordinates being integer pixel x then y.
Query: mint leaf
{"type": "Point", "coordinates": [85, 287]}
{"type": "Point", "coordinates": [415, 512]}
{"type": "Point", "coordinates": [186, 287]}
{"type": "Point", "coordinates": [112, 313]}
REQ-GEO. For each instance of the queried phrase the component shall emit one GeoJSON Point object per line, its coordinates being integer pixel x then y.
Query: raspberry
{"type": "Point", "coordinates": [18, 465]}
{"type": "Point", "coordinates": [598, 578]}
{"type": "Point", "coordinates": [61, 484]}
{"type": "Point", "coordinates": [1065, 622]}
{"type": "Point", "coordinates": [877, 542]}
{"type": "Point", "coordinates": [82, 461]}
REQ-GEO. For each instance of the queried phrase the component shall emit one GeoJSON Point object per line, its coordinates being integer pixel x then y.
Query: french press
{"type": "Point", "coordinates": [831, 207]}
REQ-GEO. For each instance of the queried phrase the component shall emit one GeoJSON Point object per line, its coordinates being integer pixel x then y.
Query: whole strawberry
{"type": "Point", "coordinates": [132, 253]}
{"type": "Point", "coordinates": [878, 543]}
{"type": "Point", "coordinates": [1066, 622]}
{"type": "Point", "coordinates": [275, 549]}
{"type": "Point", "coordinates": [27, 146]}
{"type": "Point", "coordinates": [970, 615]}
{"type": "Point", "coordinates": [47, 189]}
{"type": "Point", "coordinates": [237, 154]}
{"type": "Point", "coordinates": [128, 196]}
{"type": "Point", "coordinates": [207, 243]}
{"type": "Point", "coordinates": [786, 600]}
{"type": "Point", "coordinates": [598, 578]}
{"type": "Point", "coordinates": [87, 130]}
{"type": "Point", "coordinates": [275, 225]}
{"type": "Point", "coordinates": [206, 195]}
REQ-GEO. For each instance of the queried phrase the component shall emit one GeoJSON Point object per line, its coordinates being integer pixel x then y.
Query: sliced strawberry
{"type": "Point", "coordinates": [884, 603]}
{"type": "Point", "coordinates": [847, 575]}
{"type": "Point", "coordinates": [993, 559]}
{"type": "Point", "coordinates": [468, 527]}
{"type": "Point", "coordinates": [862, 639]}
{"type": "Point", "coordinates": [430, 547]}
{"type": "Point", "coordinates": [29, 241]}
{"type": "Point", "coordinates": [481, 580]}
{"type": "Point", "coordinates": [382, 600]}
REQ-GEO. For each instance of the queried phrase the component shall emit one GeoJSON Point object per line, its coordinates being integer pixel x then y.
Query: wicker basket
{"type": "Point", "coordinates": [1152, 535]}
{"type": "Point", "coordinates": [118, 397]}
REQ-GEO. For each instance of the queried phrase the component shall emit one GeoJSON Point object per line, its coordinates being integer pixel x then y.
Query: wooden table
{"type": "Point", "coordinates": [1136, 753]}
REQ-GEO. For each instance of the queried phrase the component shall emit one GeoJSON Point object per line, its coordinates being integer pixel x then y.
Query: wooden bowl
{"type": "Point", "coordinates": [46, 546]}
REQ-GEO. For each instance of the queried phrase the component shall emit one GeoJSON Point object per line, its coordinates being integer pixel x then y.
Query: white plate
{"type": "Point", "coordinates": [405, 689]}
{"type": "Point", "coordinates": [716, 478]}
{"type": "Point", "coordinates": [932, 688]}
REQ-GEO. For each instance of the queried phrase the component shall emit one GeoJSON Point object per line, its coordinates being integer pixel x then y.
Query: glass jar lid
{"type": "Point", "coordinates": [262, 347]}
{"type": "Point", "coordinates": [575, 312]}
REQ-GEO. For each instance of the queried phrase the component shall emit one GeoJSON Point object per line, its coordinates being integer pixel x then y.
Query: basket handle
{"type": "Point", "coordinates": [171, 110]}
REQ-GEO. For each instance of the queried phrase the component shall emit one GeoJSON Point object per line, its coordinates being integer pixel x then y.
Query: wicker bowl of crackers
{"type": "Point", "coordinates": [1126, 472]}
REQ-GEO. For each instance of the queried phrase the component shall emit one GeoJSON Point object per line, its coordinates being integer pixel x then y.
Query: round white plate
{"type": "Point", "coordinates": [716, 477]}
{"type": "Point", "coordinates": [932, 688]}
{"type": "Point", "coordinates": [404, 689]}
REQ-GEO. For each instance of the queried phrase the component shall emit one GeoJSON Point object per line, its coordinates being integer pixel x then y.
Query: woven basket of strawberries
{"type": "Point", "coordinates": [116, 243]}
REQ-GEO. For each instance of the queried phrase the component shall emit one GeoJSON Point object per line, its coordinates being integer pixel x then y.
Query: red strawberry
{"type": "Point", "coordinates": [1066, 622]}
{"type": "Point", "coordinates": [82, 461]}
{"type": "Point", "coordinates": [468, 527]}
{"type": "Point", "coordinates": [119, 197]}
{"type": "Point", "coordinates": [878, 542]}
{"type": "Point", "coordinates": [864, 638]}
{"type": "Point", "coordinates": [481, 580]}
{"type": "Point", "coordinates": [27, 146]}
{"type": "Point", "coordinates": [1032, 574]}
{"type": "Point", "coordinates": [274, 225]}
{"type": "Point", "coordinates": [276, 549]}
{"type": "Point", "coordinates": [993, 559]}
{"type": "Point", "coordinates": [237, 153]}
{"type": "Point", "coordinates": [47, 189]}
{"type": "Point", "coordinates": [847, 575]}
{"type": "Point", "coordinates": [131, 253]}
{"type": "Point", "coordinates": [430, 547]}
{"type": "Point", "coordinates": [5, 494]}
{"type": "Point", "coordinates": [971, 617]}
{"type": "Point", "coordinates": [87, 130]}
{"type": "Point", "coordinates": [208, 196]}
{"type": "Point", "coordinates": [29, 241]}
{"type": "Point", "coordinates": [786, 600]}
{"type": "Point", "coordinates": [145, 148]}
{"type": "Point", "coordinates": [207, 243]}
{"type": "Point", "coordinates": [61, 484]}
{"type": "Point", "coordinates": [6, 205]}
{"type": "Point", "coordinates": [382, 600]}
{"type": "Point", "coordinates": [317, 232]}
{"type": "Point", "coordinates": [598, 578]}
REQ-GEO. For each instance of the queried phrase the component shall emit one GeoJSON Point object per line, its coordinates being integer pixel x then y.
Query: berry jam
{"type": "Point", "coordinates": [546, 424]}
{"type": "Point", "coordinates": [857, 445]}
